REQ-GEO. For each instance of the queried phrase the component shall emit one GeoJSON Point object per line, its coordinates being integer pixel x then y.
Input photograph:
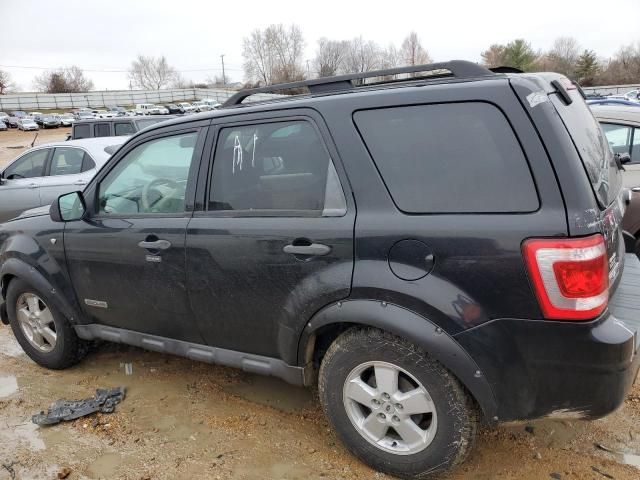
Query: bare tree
{"type": "Point", "coordinates": [494, 56]}
{"type": "Point", "coordinates": [6, 82]}
{"type": "Point", "coordinates": [329, 57]}
{"type": "Point", "coordinates": [391, 57]}
{"type": "Point", "coordinates": [412, 51]}
{"type": "Point", "coordinates": [623, 68]}
{"type": "Point", "coordinates": [63, 80]}
{"type": "Point", "coordinates": [563, 56]}
{"type": "Point", "coordinates": [362, 56]}
{"type": "Point", "coordinates": [151, 73]}
{"type": "Point", "coordinates": [274, 55]}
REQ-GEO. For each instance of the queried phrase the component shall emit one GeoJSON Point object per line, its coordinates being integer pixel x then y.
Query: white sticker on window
{"type": "Point", "coordinates": [536, 98]}
{"type": "Point", "coordinates": [237, 154]}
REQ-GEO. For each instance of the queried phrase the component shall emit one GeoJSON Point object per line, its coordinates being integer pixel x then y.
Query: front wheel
{"type": "Point", "coordinates": [40, 328]}
{"type": "Point", "coordinates": [396, 408]}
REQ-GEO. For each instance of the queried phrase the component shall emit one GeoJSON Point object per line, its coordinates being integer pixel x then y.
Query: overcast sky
{"type": "Point", "coordinates": [108, 34]}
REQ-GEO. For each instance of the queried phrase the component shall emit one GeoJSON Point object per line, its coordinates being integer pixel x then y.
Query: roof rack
{"type": "Point", "coordinates": [455, 68]}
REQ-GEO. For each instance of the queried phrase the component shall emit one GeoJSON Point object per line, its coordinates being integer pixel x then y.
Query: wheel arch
{"type": "Point", "coordinates": [14, 268]}
{"type": "Point", "coordinates": [334, 319]}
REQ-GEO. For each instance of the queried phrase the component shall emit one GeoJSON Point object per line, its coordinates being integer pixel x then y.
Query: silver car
{"type": "Point", "coordinates": [27, 124]}
{"type": "Point", "coordinates": [41, 174]}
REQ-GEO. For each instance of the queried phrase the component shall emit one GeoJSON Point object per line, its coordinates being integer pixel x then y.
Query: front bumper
{"type": "Point", "coordinates": [541, 368]}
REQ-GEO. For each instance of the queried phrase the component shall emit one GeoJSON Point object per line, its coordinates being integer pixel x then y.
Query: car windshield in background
{"type": "Point", "coordinates": [147, 122]}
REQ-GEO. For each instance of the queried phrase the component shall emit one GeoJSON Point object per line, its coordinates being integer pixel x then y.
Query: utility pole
{"type": "Point", "coordinates": [224, 80]}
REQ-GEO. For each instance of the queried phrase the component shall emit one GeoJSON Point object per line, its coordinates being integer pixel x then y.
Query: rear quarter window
{"type": "Point", "coordinates": [449, 158]}
{"type": "Point", "coordinates": [81, 131]}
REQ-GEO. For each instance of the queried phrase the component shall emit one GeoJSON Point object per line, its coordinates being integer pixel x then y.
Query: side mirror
{"type": "Point", "coordinates": [68, 207]}
{"type": "Point", "coordinates": [624, 158]}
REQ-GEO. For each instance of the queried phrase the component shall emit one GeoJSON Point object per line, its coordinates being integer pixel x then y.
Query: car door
{"type": "Point", "coordinates": [126, 259]}
{"type": "Point", "coordinates": [274, 240]}
{"type": "Point", "coordinates": [70, 169]}
{"type": "Point", "coordinates": [623, 138]}
{"type": "Point", "coordinates": [20, 185]}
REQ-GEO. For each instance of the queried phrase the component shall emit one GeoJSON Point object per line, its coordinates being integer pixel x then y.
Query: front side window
{"type": "Point", "coordinates": [279, 166]}
{"type": "Point", "coordinates": [81, 131]}
{"type": "Point", "coordinates": [449, 158]}
{"type": "Point", "coordinates": [151, 178]}
{"type": "Point", "coordinates": [67, 161]}
{"type": "Point", "coordinates": [30, 165]}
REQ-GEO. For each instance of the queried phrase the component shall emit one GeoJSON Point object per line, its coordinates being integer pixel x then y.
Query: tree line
{"type": "Point", "coordinates": [276, 54]}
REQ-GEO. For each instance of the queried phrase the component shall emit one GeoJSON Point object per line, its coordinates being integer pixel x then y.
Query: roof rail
{"type": "Point", "coordinates": [456, 68]}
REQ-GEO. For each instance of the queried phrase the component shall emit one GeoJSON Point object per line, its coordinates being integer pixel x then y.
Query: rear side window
{"type": "Point", "coordinates": [449, 158]}
{"type": "Point", "coordinates": [101, 130]}
{"type": "Point", "coordinates": [81, 131]}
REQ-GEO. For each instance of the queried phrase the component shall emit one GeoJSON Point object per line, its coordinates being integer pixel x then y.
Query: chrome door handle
{"type": "Point", "coordinates": [155, 245]}
{"type": "Point", "coordinates": [33, 185]}
{"type": "Point", "coordinates": [315, 249]}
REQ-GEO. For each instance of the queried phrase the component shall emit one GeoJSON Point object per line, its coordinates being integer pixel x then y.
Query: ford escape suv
{"type": "Point", "coordinates": [434, 246]}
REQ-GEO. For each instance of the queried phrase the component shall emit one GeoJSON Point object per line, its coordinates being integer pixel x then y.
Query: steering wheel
{"type": "Point", "coordinates": [146, 200]}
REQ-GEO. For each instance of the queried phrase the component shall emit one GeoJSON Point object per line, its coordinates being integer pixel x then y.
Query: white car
{"type": "Point", "coordinates": [41, 174]}
{"type": "Point", "coordinates": [103, 114]}
{"type": "Point", "coordinates": [67, 119]}
{"type": "Point", "coordinates": [147, 109]}
{"type": "Point", "coordinates": [34, 114]}
{"type": "Point", "coordinates": [162, 110]}
{"type": "Point", "coordinates": [27, 124]}
{"type": "Point", "coordinates": [201, 106]}
{"type": "Point", "coordinates": [187, 107]}
{"type": "Point", "coordinates": [633, 95]}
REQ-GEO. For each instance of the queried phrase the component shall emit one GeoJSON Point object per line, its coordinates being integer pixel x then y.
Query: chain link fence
{"type": "Point", "coordinates": [611, 89]}
{"type": "Point", "coordinates": [110, 98]}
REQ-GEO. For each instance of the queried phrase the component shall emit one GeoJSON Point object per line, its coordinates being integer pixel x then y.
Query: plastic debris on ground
{"type": "Point", "coordinates": [104, 401]}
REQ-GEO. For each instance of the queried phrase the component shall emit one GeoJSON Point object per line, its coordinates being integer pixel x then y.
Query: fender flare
{"type": "Point", "coordinates": [18, 268]}
{"type": "Point", "coordinates": [416, 329]}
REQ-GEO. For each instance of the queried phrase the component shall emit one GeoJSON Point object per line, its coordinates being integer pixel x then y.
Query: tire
{"type": "Point", "coordinates": [450, 431]}
{"type": "Point", "coordinates": [67, 349]}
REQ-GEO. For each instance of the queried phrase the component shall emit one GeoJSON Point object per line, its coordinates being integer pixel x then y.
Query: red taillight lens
{"type": "Point", "coordinates": [570, 276]}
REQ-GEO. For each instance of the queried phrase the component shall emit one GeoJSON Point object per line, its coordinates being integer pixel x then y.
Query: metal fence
{"type": "Point", "coordinates": [611, 89]}
{"type": "Point", "coordinates": [110, 98]}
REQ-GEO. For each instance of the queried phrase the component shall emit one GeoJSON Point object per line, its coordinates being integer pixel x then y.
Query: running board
{"type": "Point", "coordinates": [202, 353]}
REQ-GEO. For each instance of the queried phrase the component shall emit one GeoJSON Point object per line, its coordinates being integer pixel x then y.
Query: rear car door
{"type": "Point", "coordinates": [625, 138]}
{"type": "Point", "coordinates": [273, 242]}
{"type": "Point", "coordinates": [70, 169]}
{"type": "Point", "coordinates": [20, 187]}
{"type": "Point", "coordinates": [127, 259]}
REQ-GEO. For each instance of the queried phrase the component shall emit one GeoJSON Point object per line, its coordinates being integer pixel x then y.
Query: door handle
{"type": "Point", "coordinates": [155, 245]}
{"type": "Point", "coordinates": [314, 249]}
{"type": "Point", "coordinates": [33, 185]}
{"type": "Point", "coordinates": [80, 182]}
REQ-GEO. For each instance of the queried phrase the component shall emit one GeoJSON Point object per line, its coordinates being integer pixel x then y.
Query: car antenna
{"type": "Point", "coordinates": [34, 140]}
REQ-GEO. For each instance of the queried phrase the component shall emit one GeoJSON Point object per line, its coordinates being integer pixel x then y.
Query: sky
{"type": "Point", "coordinates": [103, 37]}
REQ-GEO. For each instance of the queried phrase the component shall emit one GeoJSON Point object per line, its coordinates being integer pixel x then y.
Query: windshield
{"type": "Point", "coordinates": [592, 146]}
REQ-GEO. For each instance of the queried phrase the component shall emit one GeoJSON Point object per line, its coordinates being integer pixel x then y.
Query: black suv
{"type": "Point", "coordinates": [435, 246]}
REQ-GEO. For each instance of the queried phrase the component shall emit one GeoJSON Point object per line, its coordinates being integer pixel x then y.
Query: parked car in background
{"type": "Point", "coordinates": [27, 124]}
{"type": "Point", "coordinates": [12, 122]}
{"type": "Point", "coordinates": [174, 109]}
{"type": "Point", "coordinates": [633, 95]}
{"type": "Point", "coordinates": [18, 114]}
{"type": "Point", "coordinates": [113, 127]}
{"type": "Point", "coordinates": [118, 111]}
{"type": "Point", "coordinates": [200, 106]}
{"type": "Point", "coordinates": [67, 119]}
{"type": "Point", "coordinates": [3, 127]}
{"type": "Point", "coordinates": [187, 107]}
{"type": "Point", "coordinates": [48, 121]}
{"type": "Point", "coordinates": [147, 109]}
{"type": "Point", "coordinates": [104, 114]}
{"type": "Point", "coordinates": [83, 115]}
{"type": "Point", "coordinates": [162, 110]}
{"type": "Point", "coordinates": [33, 114]}
{"type": "Point", "coordinates": [4, 117]}
{"type": "Point", "coordinates": [42, 173]}
{"type": "Point", "coordinates": [613, 101]}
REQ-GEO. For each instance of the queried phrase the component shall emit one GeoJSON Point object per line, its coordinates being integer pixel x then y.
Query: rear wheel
{"type": "Point", "coordinates": [395, 407]}
{"type": "Point", "coordinates": [42, 331]}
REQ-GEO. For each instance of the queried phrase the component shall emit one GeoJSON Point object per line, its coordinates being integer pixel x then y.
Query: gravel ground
{"type": "Point", "coordinates": [182, 419]}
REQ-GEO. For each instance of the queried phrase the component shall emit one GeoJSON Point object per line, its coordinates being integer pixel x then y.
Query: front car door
{"type": "Point", "coordinates": [273, 242]}
{"type": "Point", "coordinates": [70, 169]}
{"type": "Point", "coordinates": [625, 138]}
{"type": "Point", "coordinates": [127, 258]}
{"type": "Point", "coordinates": [20, 185]}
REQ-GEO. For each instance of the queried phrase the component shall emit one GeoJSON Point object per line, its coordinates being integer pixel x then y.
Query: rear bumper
{"type": "Point", "coordinates": [541, 368]}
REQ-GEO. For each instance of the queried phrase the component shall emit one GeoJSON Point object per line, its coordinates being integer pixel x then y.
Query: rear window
{"type": "Point", "coordinates": [101, 130]}
{"type": "Point", "coordinates": [592, 146]}
{"type": "Point", "coordinates": [449, 158]}
{"type": "Point", "coordinates": [81, 131]}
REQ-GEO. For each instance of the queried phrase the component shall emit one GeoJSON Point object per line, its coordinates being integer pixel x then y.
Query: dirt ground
{"type": "Point", "coordinates": [13, 142]}
{"type": "Point", "coordinates": [183, 419]}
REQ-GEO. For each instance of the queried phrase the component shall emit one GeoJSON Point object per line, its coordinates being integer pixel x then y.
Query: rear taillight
{"type": "Point", "coordinates": [570, 276]}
